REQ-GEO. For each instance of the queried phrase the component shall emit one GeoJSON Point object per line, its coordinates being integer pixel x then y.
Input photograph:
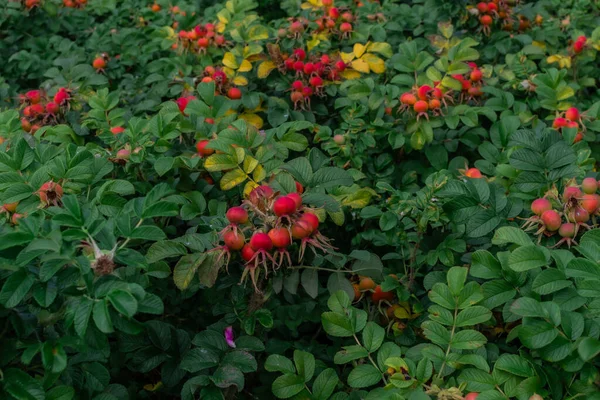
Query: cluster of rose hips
{"type": "Point", "coordinates": [74, 3]}
{"type": "Point", "coordinates": [471, 82]}
{"type": "Point", "coordinates": [335, 20]}
{"type": "Point", "coordinates": [222, 85]}
{"type": "Point", "coordinates": [310, 71]}
{"type": "Point", "coordinates": [489, 11]}
{"type": "Point", "coordinates": [424, 99]}
{"type": "Point", "coordinates": [264, 229]}
{"type": "Point", "coordinates": [366, 286]}
{"type": "Point", "coordinates": [200, 38]}
{"type": "Point", "coordinates": [574, 210]}
{"type": "Point", "coordinates": [569, 119]}
{"type": "Point", "coordinates": [39, 110]}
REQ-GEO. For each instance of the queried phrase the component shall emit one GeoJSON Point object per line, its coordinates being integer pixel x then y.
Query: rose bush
{"type": "Point", "coordinates": [310, 200]}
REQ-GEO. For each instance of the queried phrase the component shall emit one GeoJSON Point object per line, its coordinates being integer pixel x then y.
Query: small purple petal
{"type": "Point", "coordinates": [229, 337]}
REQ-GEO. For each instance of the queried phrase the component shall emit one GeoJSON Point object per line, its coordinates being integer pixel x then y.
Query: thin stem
{"type": "Point", "coordinates": [371, 359]}
{"type": "Point", "coordinates": [439, 375]}
{"type": "Point", "coordinates": [128, 239]}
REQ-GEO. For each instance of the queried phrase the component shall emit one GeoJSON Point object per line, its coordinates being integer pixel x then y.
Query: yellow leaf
{"type": "Point", "coordinates": [446, 28]}
{"type": "Point", "coordinates": [259, 173]}
{"type": "Point", "coordinates": [153, 387]}
{"type": "Point", "coordinates": [258, 32]}
{"type": "Point", "coordinates": [311, 44]}
{"type": "Point", "coordinates": [230, 61]}
{"type": "Point", "coordinates": [221, 26]}
{"type": "Point", "coordinates": [358, 199]}
{"type": "Point", "coordinates": [438, 41]}
{"type": "Point", "coordinates": [337, 217]}
{"type": "Point", "coordinates": [229, 72]}
{"type": "Point", "coordinates": [347, 57]}
{"type": "Point", "coordinates": [401, 313]}
{"type": "Point", "coordinates": [382, 48]}
{"type": "Point", "coordinates": [376, 64]}
{"type": "Point", "coordinates": [229, 6]}
{"type": "Point", "coordinates": [250, 186]}
{"type": "Point", "coordinates": [360, 66]}
{"type": "Point", "coordinates": [253, 120]}
{"type": "Point", "coordinates": [249, 164]}
{"type": "Point", "coordinates": [230, 112]}
{"type": "Point", "coordinates": [359, 49]}
{"type": "Point", "coordinates": [245, 66]}
{"type": "Point", "coordinates": [232, 178]}
{"type": "Point", "coordinates": [541, 45]}
{"type": "Point", "coordinates": [240, 80]}
{"type": "Point", "coordinates": [350, 74]}
{"type": "Point", "coordinates": [223, 16]}
{"type": "Point", "coordinates": [265, 68]}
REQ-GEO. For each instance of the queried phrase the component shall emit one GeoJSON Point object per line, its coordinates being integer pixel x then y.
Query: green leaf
{"type": "Point", "coordinates": [528, 307]}
{"type": "Point", "coordinates": [277, 363]}
{"type": "Point", "coordinates": [305, 364]}
{"type": "Point", "coordinates": [102, 317]}
{"type": "Point", "coordinates": [328, 177]}
{"type": "Point", "coordinates": [536, 334]}
{"type": "Point", "coordinates": [515, 365]}
{"type": "Point", "coordinates": [240, 359]}
{"type": "Point", "coordinates": [456, 279]}
{"type": "Point", "coordinates": [60, 393]}
{"type": "Point", "coordinates": [364, 376]}
{"type": "Point", "coordinates": [83, 312]}
{"type": "Point", "coordinates": [337, 324]}
{"type": "Point", "coordinates": [509, 234]}
{"type": "Point", "coordinates": [54, 358]}
{"type": "Point", "coordinates": [550, 281]}
{"type": "Point", "coordinates": [372, 267]}
{"type": "Point", "coordinates": [582, 268]}
{"type": "Point", "coordinates": [472, 316]}
{"type": "Point", "coordinates": [373, 336]}
{"type": "Point", "coordinates": [16, 288]}
{"type": "Point", "coordinates": [350, 353]}
{"type": "Point", "coordinates": [226, 376]}
{"type": "Point", "coordinates": [164, 249]}
{"type": "Point", "coordinates": [468, 340]}
{"type": "Point", "coordinates": [526, 257]}
{"type": "Point", "coordinates": [123, 302]}
{"type": "Point", "coordinates": [287, 386]}
{"type": "Point", "coordinates": [588, 348]}
{"type": "Point", "coordinates": [163, 165]}
{"type": "Point", "coordinates": [325, 384]}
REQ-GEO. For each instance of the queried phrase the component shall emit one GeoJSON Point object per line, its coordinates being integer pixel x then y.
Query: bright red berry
{"type": "Point", "coordinates": [261, 241]}
{"type": "Point", "coordinates": [280, 237]}
{"type": "Point", "coordinates": [237, 215]}
{"type": "Point", "coordinates": [202, 149]}
{"type": "Point", "coordinates": [284, 206]}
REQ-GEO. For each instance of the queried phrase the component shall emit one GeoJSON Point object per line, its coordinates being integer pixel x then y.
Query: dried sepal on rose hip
{"type": "Point", "coordinates": [50, 193]}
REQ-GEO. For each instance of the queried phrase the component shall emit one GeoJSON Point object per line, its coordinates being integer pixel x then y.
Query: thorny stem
{"type": "Point", "coordinates": [371, 359]}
